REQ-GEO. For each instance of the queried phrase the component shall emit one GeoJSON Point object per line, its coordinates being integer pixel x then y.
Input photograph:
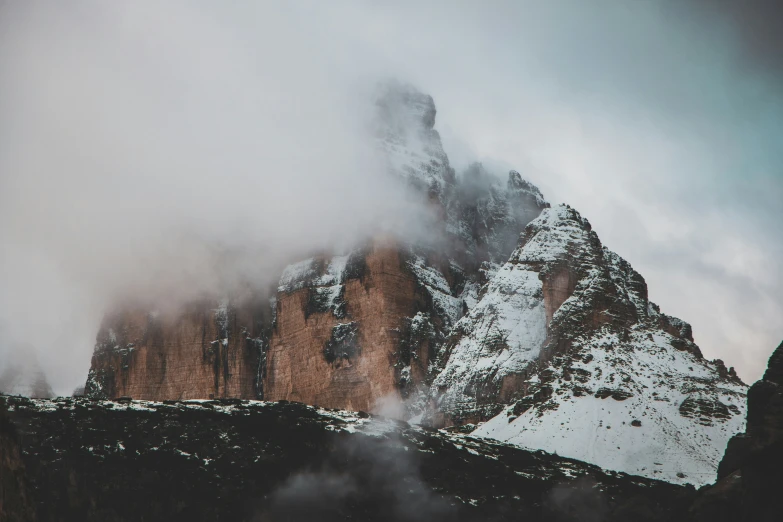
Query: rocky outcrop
{"type": "Point", "coordinates": [357, 329]}
{"type": "Point", "coordinates": [750, 474]}
{"type": "Point", "coordinates": [339, 327]}
{"type": "Point", "coordinates": [16, 504]}
{"type": "Point", "coordinates": [206, 349]}
{"type": "Point", "coordinates": [245, 460]}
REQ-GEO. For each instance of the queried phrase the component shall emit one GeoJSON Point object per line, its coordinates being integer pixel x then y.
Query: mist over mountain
{"type": "Point", "coordinates": [163, 129]}
{"type": "Point", "coordinates": [404, 239]}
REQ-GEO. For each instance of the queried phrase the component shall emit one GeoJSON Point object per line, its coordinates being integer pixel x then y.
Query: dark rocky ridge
{"type": "Point", "coordinates": [751, 472]}
{"type": "Point", "coordinates": [16, 505]}
{"type": "Point", "coordinates": [238, 460]}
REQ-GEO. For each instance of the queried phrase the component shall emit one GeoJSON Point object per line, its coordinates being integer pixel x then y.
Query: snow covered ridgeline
{"type": "Point", "coordinates": [565, 335]}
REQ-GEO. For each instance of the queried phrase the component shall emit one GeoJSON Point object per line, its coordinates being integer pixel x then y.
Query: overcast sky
{"type": "Point", "coordinates": [124, 126]}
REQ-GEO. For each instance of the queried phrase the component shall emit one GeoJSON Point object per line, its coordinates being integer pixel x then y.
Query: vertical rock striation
{"type": "Point", "coordinates": [207, 349]}
{"type": "Point", "coordinates": [337, 329]}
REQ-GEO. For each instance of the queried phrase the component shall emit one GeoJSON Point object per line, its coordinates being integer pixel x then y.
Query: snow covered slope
{"type": "Point", "coordinates": [501, 336]}
{"type": "Point", "coordinates": [639, 406]}
{"type": "Point", "coordinates": [498, 343]}
{"type": "Point", "coordinates": [588, 367]}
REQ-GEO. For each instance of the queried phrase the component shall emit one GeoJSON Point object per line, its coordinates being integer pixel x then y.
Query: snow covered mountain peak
{"type": "Point", "coordinates": [412, 147]}
{"type": "Point", "coordinates": [565, 336]}
{"type": "Point", "coordinates": [511, 321]}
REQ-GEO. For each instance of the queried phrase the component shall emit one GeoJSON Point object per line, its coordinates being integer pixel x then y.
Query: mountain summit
{"type": "Point", "coordinates": [515, 323]}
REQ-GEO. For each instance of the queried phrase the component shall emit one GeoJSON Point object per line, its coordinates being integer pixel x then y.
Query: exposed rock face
{"type": "Point", "coordinates": [16, 505]}
{"type": "Point", "coordinates": [22, 374]}
{"type": "Point", "coordinates": [750, 474]}
{"type": "Point", "coordinates": [351, 330]}
{"type": "Point", "coordinates": [246, 460]}
{"type": "Point", "coordinates": [565, 335]}
{"type": "Point", "coordinates": [338, 329]}
{"type": "Point", "coordinates": [207, 349]}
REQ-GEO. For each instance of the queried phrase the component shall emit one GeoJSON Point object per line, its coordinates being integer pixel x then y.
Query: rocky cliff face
{"type": "Point", "coordinates": [485, 217]}
{"type": "Point", "coordinates": [546, 337]}
{"type": "Point", "coordinates": [206, 349]}
{"type": "Point", "coordinates": [248, 461]}
{"type": "Point", "coordinates": [339, 325]}
{"type": "Point", "coordinates": [750, 474]}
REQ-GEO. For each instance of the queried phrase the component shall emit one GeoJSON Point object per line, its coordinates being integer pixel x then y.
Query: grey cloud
{"type": "Point", "coordinates": [123, 128]}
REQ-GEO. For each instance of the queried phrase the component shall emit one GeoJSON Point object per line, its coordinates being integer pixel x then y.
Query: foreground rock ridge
{"type": "Point", "coordinates": [750, 474]}
{"type": "Point", "coordinates": [16, 503]}
{"type": "Point", "coordinates": [513, 321]}
{"type": "Point", "coordinates": [239, 460]}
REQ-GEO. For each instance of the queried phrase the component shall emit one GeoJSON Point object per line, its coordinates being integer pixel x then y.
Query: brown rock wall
{"type": "Point", "coordinates": [377, 303]}
{"type": "Point", "coordinates": [198, 352]}
{"type": "Point", "coordinates": [558, 286]}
